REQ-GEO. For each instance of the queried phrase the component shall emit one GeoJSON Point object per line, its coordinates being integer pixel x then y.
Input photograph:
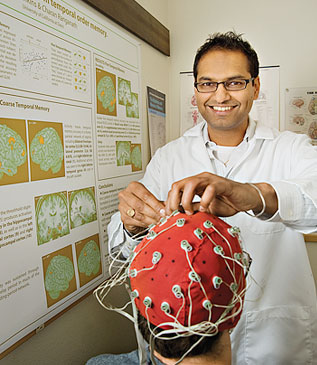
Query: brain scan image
{"type": "Point", "coordinates": [89, 259]}
{"type": "Point", "coordinates": [82, 207]}
{"type": "Point", "coordinates": [133, 108]}
{"type": "Point", "coordinates": [312, 107]}
{"type": "Point", "coordinates": [298, 102]}
{"type": "Point", "coordinates": [106, 93]}
{"type": "Point", "coordinates": [59, 273]}
{"type": "Point", "coordinates": [136, 157]}
{"type": "Point", "coordinates": [47, 150]}
{"type": "Point", "coordinates": [123, 153]}
{"type": "Point", "coordinates": [51, 217]}
{"type": "Point", "coordinates": [299, 120]}
{"type": "Point", "coordinates": [124, 91]}
{"type": "Point", "coordinates": [312, 130]}
{"type": "Point", "coordinates": [12, 151]}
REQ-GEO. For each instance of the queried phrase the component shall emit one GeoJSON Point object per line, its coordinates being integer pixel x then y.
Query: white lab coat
{"type": "Point", "coordinates": [279, 322]}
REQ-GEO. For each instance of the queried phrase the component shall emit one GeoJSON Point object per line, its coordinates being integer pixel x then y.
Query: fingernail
{"type": "Point", "coordinates": [188, 212]}
{"type": "Point", "coordinates": [202, 209]}
{"type": "Point", "coordinates": [162, 212]}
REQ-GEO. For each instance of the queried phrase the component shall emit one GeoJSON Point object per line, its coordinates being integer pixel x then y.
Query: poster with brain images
{"type": "Point", "coordinates": [301, 111]}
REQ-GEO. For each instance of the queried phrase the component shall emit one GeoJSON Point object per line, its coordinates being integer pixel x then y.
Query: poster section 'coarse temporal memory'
{"type": "Point", "coordinates": [70, 139]}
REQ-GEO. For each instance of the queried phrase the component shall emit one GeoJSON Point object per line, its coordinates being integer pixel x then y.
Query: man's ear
{"type": "Point", "coordinates": [256, 83]}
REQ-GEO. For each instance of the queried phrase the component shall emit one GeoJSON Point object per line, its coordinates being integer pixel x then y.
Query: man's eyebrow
{"type": "Point", "coordinates": [207, 78]}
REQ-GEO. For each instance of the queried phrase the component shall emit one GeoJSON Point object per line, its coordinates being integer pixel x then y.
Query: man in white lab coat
{"type": "Point", "coordinates": [261, 180]}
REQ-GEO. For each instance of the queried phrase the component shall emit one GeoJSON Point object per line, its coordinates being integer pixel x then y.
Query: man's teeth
{"type": "Point", "coordinates": [222, 108]}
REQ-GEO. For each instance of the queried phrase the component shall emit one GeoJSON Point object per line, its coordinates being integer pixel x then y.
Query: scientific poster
{"type": "Point", "coordinates": [157, 118]}
{"type": "Point", "coordinates": [265, 108]}
{"type": "Point", "coordinates": [70, 139]}
{"type": "Point", "coordinates": [301, 111]}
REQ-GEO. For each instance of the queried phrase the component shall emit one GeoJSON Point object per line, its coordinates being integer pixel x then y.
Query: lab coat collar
{"type": "Point", "coordinates": [255, 130]}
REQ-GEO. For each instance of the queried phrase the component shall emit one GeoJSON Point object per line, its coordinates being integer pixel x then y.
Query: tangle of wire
{"type": "Point", "coordinates": [176, 329]}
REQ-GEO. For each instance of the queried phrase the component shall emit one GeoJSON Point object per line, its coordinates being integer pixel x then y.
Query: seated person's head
{"type": "Point", "coordinates": [188, 283]}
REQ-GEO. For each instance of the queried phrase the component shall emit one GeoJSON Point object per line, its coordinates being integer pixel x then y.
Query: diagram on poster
{"type": "Point", "coordinates": [13, 152]}
{"type": "Point", "coordinates": [301, 111]}
{"type": "Point", "coordinates": [51, 217]}
{"type": "Point", "coordinates": [88, 259]}
{"type": "Point", "coordinates": [59, 275]}
{"type": "Point", "coordinates": [82, 207]}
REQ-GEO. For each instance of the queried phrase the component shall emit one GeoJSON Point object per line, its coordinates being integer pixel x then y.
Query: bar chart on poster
{"type": "Point", "coordinates": [70, 139]}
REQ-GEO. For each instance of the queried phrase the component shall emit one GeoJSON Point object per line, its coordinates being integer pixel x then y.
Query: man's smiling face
{"type": "Point", "coordinates": [225, 110]}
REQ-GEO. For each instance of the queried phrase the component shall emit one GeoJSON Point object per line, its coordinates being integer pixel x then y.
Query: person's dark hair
{"type": "Point", "coordinates": [175, 348]}
{"type": "Point", "coordinates": [232, 42]}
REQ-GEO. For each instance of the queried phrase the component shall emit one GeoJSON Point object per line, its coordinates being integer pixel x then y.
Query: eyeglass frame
{"type": "Point", "coordinates": [247, 81]}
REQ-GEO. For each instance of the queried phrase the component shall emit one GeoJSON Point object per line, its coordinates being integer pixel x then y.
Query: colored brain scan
{"type": "Point", "coordinates": [106, 93]}
{"type": "Point", "coordinates": [299, 120]}
{"type": "Point", "coordinates": [124, 91]}
{"type": "Point", "coordinates": [59, 273]}
{"type": "Point", "coordinates": [89, 259]}
{"type": "Point", "coordinates": [312, 130]}
{"type": "Point", "coordinates": [312, 107]}
{"type": "Point", "coordinates": [47, 150]}
{"type": "Point", "coordinates": [12, 151]}
{"type": "Point", "coordinates": [298, 102]}
{"type": "Point", "coordinates": [51, 217]}
{"type": "Point", "coordinates": [136, 157]}
{"type": "Point", "coordinates": [82, 207]}
{"type": "Point", "coordinates": [123, 153]}
{"type": "Point", "coordinates": [133, 108]}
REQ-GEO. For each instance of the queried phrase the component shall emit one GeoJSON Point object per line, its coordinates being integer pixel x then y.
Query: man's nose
{"type": "Point", "coordinates": [221, 94]}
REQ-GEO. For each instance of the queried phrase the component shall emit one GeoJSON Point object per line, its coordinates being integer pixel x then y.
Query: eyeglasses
{"type": "Point", "coordinates": [230, 85]}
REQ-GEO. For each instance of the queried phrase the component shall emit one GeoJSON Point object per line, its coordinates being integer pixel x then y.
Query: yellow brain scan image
{"type": "Point", "coordinates": [106, 93]}
{"type": "Point", "coordinates": [12, 151]}
{"type": "Point", "coordinates": [51, 217]}
{"type": "Point", "coordinates": [47, 150]}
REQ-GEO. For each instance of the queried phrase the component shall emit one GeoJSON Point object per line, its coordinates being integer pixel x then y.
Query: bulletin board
{"type": "Point", "coordinates": [70, 139]}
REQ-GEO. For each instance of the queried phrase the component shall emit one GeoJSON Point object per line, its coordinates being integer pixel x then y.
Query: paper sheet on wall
{"type": "Point", "coordinates": [70, 139]}
{"type": "Point", "coordinates": [156, 118]}
{"type": "Point", "coordinates": [265, 109]}
{"type": "Point", "coordinates": [301, 111]}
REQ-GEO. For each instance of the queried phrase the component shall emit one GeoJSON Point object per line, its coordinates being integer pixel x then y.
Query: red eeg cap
{"type": "Point", "coordinates": [160, 269]}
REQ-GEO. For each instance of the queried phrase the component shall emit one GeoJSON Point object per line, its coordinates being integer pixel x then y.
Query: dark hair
{"type": "Point", "coordinates": [232, 42]}
{"type": "Point", "coordinates": [175, 348]}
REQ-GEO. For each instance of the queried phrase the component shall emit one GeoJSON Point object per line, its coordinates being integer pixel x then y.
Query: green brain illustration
{"type": "Point", "coordinates": [82, 207]}
{"type": "Point", "coordinates": [123, 153]}
{"type": "Point", "coordinates": [51, 217]}
{"type": "Point", "coordinates": [47, 150]}
{"type": "Point", "coordinates": [133, 108]}
{"type": "Point", "coordinates": [12, 151]}
{"type": "Point", "coordinates": [106, 93]}
{"type": "Point", "coordinates": [136, 157]}
{"type": "Point", "coordinates": [89, 259]}
{"type": "Point", "coordinates": [59, 273]}
{"type": "Point", "coordinates": [124, 91]}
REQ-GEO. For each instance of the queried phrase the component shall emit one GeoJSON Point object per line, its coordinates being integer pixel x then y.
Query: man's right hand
{"type": "Point", "coordinates": [139, 208]}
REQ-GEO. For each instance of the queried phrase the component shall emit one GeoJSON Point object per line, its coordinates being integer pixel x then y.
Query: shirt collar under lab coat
{"type": "Point", "coordinates": [255, 129]}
